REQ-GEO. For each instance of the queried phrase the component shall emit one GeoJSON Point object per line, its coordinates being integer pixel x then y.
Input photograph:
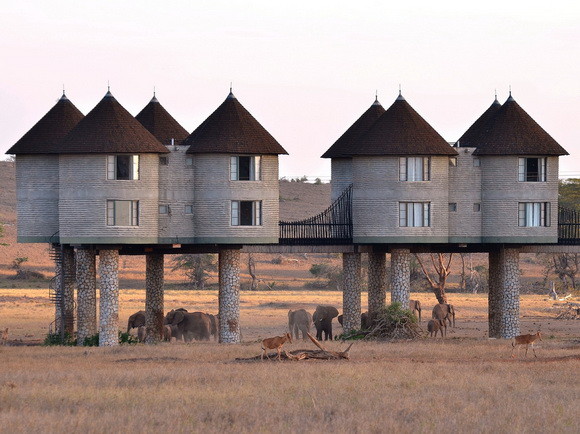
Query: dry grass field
{"type": "Point", "coordinates": [466, 382]}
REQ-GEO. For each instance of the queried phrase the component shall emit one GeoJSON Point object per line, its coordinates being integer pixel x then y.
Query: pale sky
{"type": "Point", "coordinates": [306, 69]}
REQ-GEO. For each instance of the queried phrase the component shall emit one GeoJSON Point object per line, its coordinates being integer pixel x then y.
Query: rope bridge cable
{"type": "Point", "coordinates": [332, 226]}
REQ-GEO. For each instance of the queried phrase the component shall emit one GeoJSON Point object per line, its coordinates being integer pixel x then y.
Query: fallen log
{"type": "Point", "coordinates": [297, 355]}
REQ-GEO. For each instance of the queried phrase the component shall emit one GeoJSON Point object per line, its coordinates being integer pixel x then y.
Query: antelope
{"type": "Point", "coordinates": [526, 340]}
{"type": "Point", "coordinates": [5, 336]}
{"type": "Point", "coordinates": [275, 343]}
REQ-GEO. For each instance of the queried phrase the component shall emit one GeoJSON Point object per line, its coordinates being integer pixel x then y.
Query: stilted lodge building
{"type": "Point", "coordinates": [109, 183]}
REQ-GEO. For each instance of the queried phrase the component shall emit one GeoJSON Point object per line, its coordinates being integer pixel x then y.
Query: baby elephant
{"type": "Point", "coordinates": [437, 325]}
{"type": "Point", "coordinates": [141, 333]}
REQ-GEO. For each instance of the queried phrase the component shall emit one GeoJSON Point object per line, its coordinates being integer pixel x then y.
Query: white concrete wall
{"type": "Point", "coordinates": [501, 193]}
{"type": "Point", "coordinates": [378, 191]}
{"type": "Point", "coordinates": [85, 189]}
{"type": "Point", "coordinates": [37, 197]}
{"type": "Point", "coordinates": [213, 195]}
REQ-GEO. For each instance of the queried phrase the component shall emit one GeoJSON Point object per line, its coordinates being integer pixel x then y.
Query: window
{"type": "Point", "coordinates": [452, 161]}
{"type": "Point", "coordinates": [476, 207]}
{"type": "Point", "coordinates": [414, 214]}
{"type": "Point", "coordinates": [476, 162]}
{"type": "Point", "coordinates": [245, 168]}
{"type": "Point", "coordinates": [452, 207]}
{"type": "Point", "coordinates": [531, 169]}
{"type": "Point", "coordinates": [122, 166]}
{"type": "Point", "coordinates": [414, 169]}
{"type": "Point", "coordinates": [246, 213]}
{"type": "Point", "coordinates": [163, 161]}
{"type": "Point", "coordinates": [164, 209]}
{"type": "Point", "coordinates": [189, 161]}
{"type": "Point", "coordinates": [188, 209]}
{"type": "Point", "coordinates": [122, 213]}
{"type": "Point", "coordinates": [533, 214]}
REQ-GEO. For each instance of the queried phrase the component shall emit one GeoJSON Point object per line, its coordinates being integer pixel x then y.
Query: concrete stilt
{"type": "Point", "coordinates": [154, 297]}
{"type": "Point", "coordinates": [493, 311]}
{"type": "Point", "coordinates": [229, 296]}
{"type": "Point", "coordinates": [86, 294]}
{"type": "Point", "coordinates": [400, 277]}
{"type": "Point", "coordinates": [509, 300]}
{"type": "Point", "coordinates": [377, 282]}
{"type": "Point", "coordinates": [109, 298]}
{"type": "Point", "coordinates": [65, 286]}
{"type": "Point", "coordinates": [351, 304]}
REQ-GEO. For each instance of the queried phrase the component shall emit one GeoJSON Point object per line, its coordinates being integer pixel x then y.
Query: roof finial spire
{"type": "Point", "coordinates": [108, 86]}
{"type": "Point", "coordinates": [153, 91]}
{"type": "Point", "coordinates": [154, 99]}
{"type": "Point", "coordinates": [63, 94]}
{"type": "Point", "coordinates": [400, 97]}
{"type": "Point", "coordinates": [231, 94]}
{"type": "Point", "coordinates": [510, 90]}
{"type": "Point", "coordinates": [63, 97]}
{"type": "Point", "coordinates": [495, 90]}
{"type": "Point", "coordinates": [376, 98]}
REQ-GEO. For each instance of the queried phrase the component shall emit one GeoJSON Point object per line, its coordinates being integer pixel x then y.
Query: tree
{"type": "Point", "coordinates": [569, 193]}
{"type": "Point", "coordinates": [566, 266]}
{"type": "Point", "coordinates": [442, 267]}
{"type": "Point", "coordinates": [196, 267]}
{"type": "Point", "coordinates": [252, 272]}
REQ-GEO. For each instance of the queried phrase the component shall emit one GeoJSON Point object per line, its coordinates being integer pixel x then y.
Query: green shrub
{"type": "Point", "coordinates": [52, 339]}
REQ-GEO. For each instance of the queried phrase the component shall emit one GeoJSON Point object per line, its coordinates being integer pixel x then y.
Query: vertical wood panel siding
{"type": "Point", "coordinates": [37, 195]}
{"type": "Point", "coordinates": [501, 193]}
{"type": "Point", "coordinates": [214, 192]}
{"type": "Point", "coordinates": [377, 192]}
{"type": "Point", "coordinates": [465, 190]}
{"type": "Point", "coordinates": [176, 190]}
{"type": "Point", "coordinates": [341, 176]}
{"type": "Point", "coordinates": [84, 191]}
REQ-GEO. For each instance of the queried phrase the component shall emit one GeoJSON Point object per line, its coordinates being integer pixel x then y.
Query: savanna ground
{"type": "Point", "coordinates": [466, 382]}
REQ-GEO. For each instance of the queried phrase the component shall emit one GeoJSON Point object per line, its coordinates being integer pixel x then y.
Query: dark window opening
{"type": "Point", "coordinates": [245, 163]}
{"type": "Point", "coordinates": [246, 213]}
{"type": "Point", "coordinates": [124, 167]}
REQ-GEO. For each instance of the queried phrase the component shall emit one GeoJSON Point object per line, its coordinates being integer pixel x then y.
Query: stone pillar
{"type": "Point", "coordinates": [86, 294]}
{"type": "Point", "coordinates": [109, 298]}
{"type": "Point", "coordinates": [229, 296]}
{"type": "Point", "coordinates": [154, 297]}
{"type": "Point", "coordinates": [509, 299]}
{"type": "Point", "coordinates": [377, 282]}
{"type": "Point", "coordinates": [493, 311]}
{"type": "Point", "coordinates": [400, 277]}
{"type": "Point", "coordinates": [65, 288]}
{"type": "Point", "coordinates": [351, 308]}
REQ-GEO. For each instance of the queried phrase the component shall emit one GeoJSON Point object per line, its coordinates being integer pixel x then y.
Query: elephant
{"type": "Point", "coordinates": [196, 325]}
{"type": "Point", "coordinates": [136, 320]}
{"type": "Point", "coordinates": [415, 305]}
{"type": "Point", "coordinates": [168, 332]}
{"type": "Point", "coordinates": [141, 333]}
{"type": "Point", "coordinates": [299, 321]}
{"type": "Point", "coordinates": [323, 321]}
{"type": "Point", "coordinates": [444, 311]}
{"type": "Point", "coordinates": [214, 321]}
{"type": "Point", "coordinates": [365, 323]}
{"type": "Point", "coordinates": [437, 325]}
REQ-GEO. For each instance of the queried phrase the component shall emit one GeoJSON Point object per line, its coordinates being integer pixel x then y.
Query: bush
{"type": "Point", "coordinates": [91, 341]}
{"type": "Point", "coordinates": [53, 339]}
{"type": "Point", "coordinates": [394, 322]}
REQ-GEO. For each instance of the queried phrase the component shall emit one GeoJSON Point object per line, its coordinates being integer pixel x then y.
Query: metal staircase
{"type": "Point", "coordinates": [56, 289]}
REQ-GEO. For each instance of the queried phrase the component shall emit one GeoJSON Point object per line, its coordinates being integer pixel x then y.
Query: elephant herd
{"type": "Point", "coordinates": [179, 324]}
{"type": "Point", "coordinates": [183, 325]}
{"type": "Point", "coordinates": [299, 321]}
